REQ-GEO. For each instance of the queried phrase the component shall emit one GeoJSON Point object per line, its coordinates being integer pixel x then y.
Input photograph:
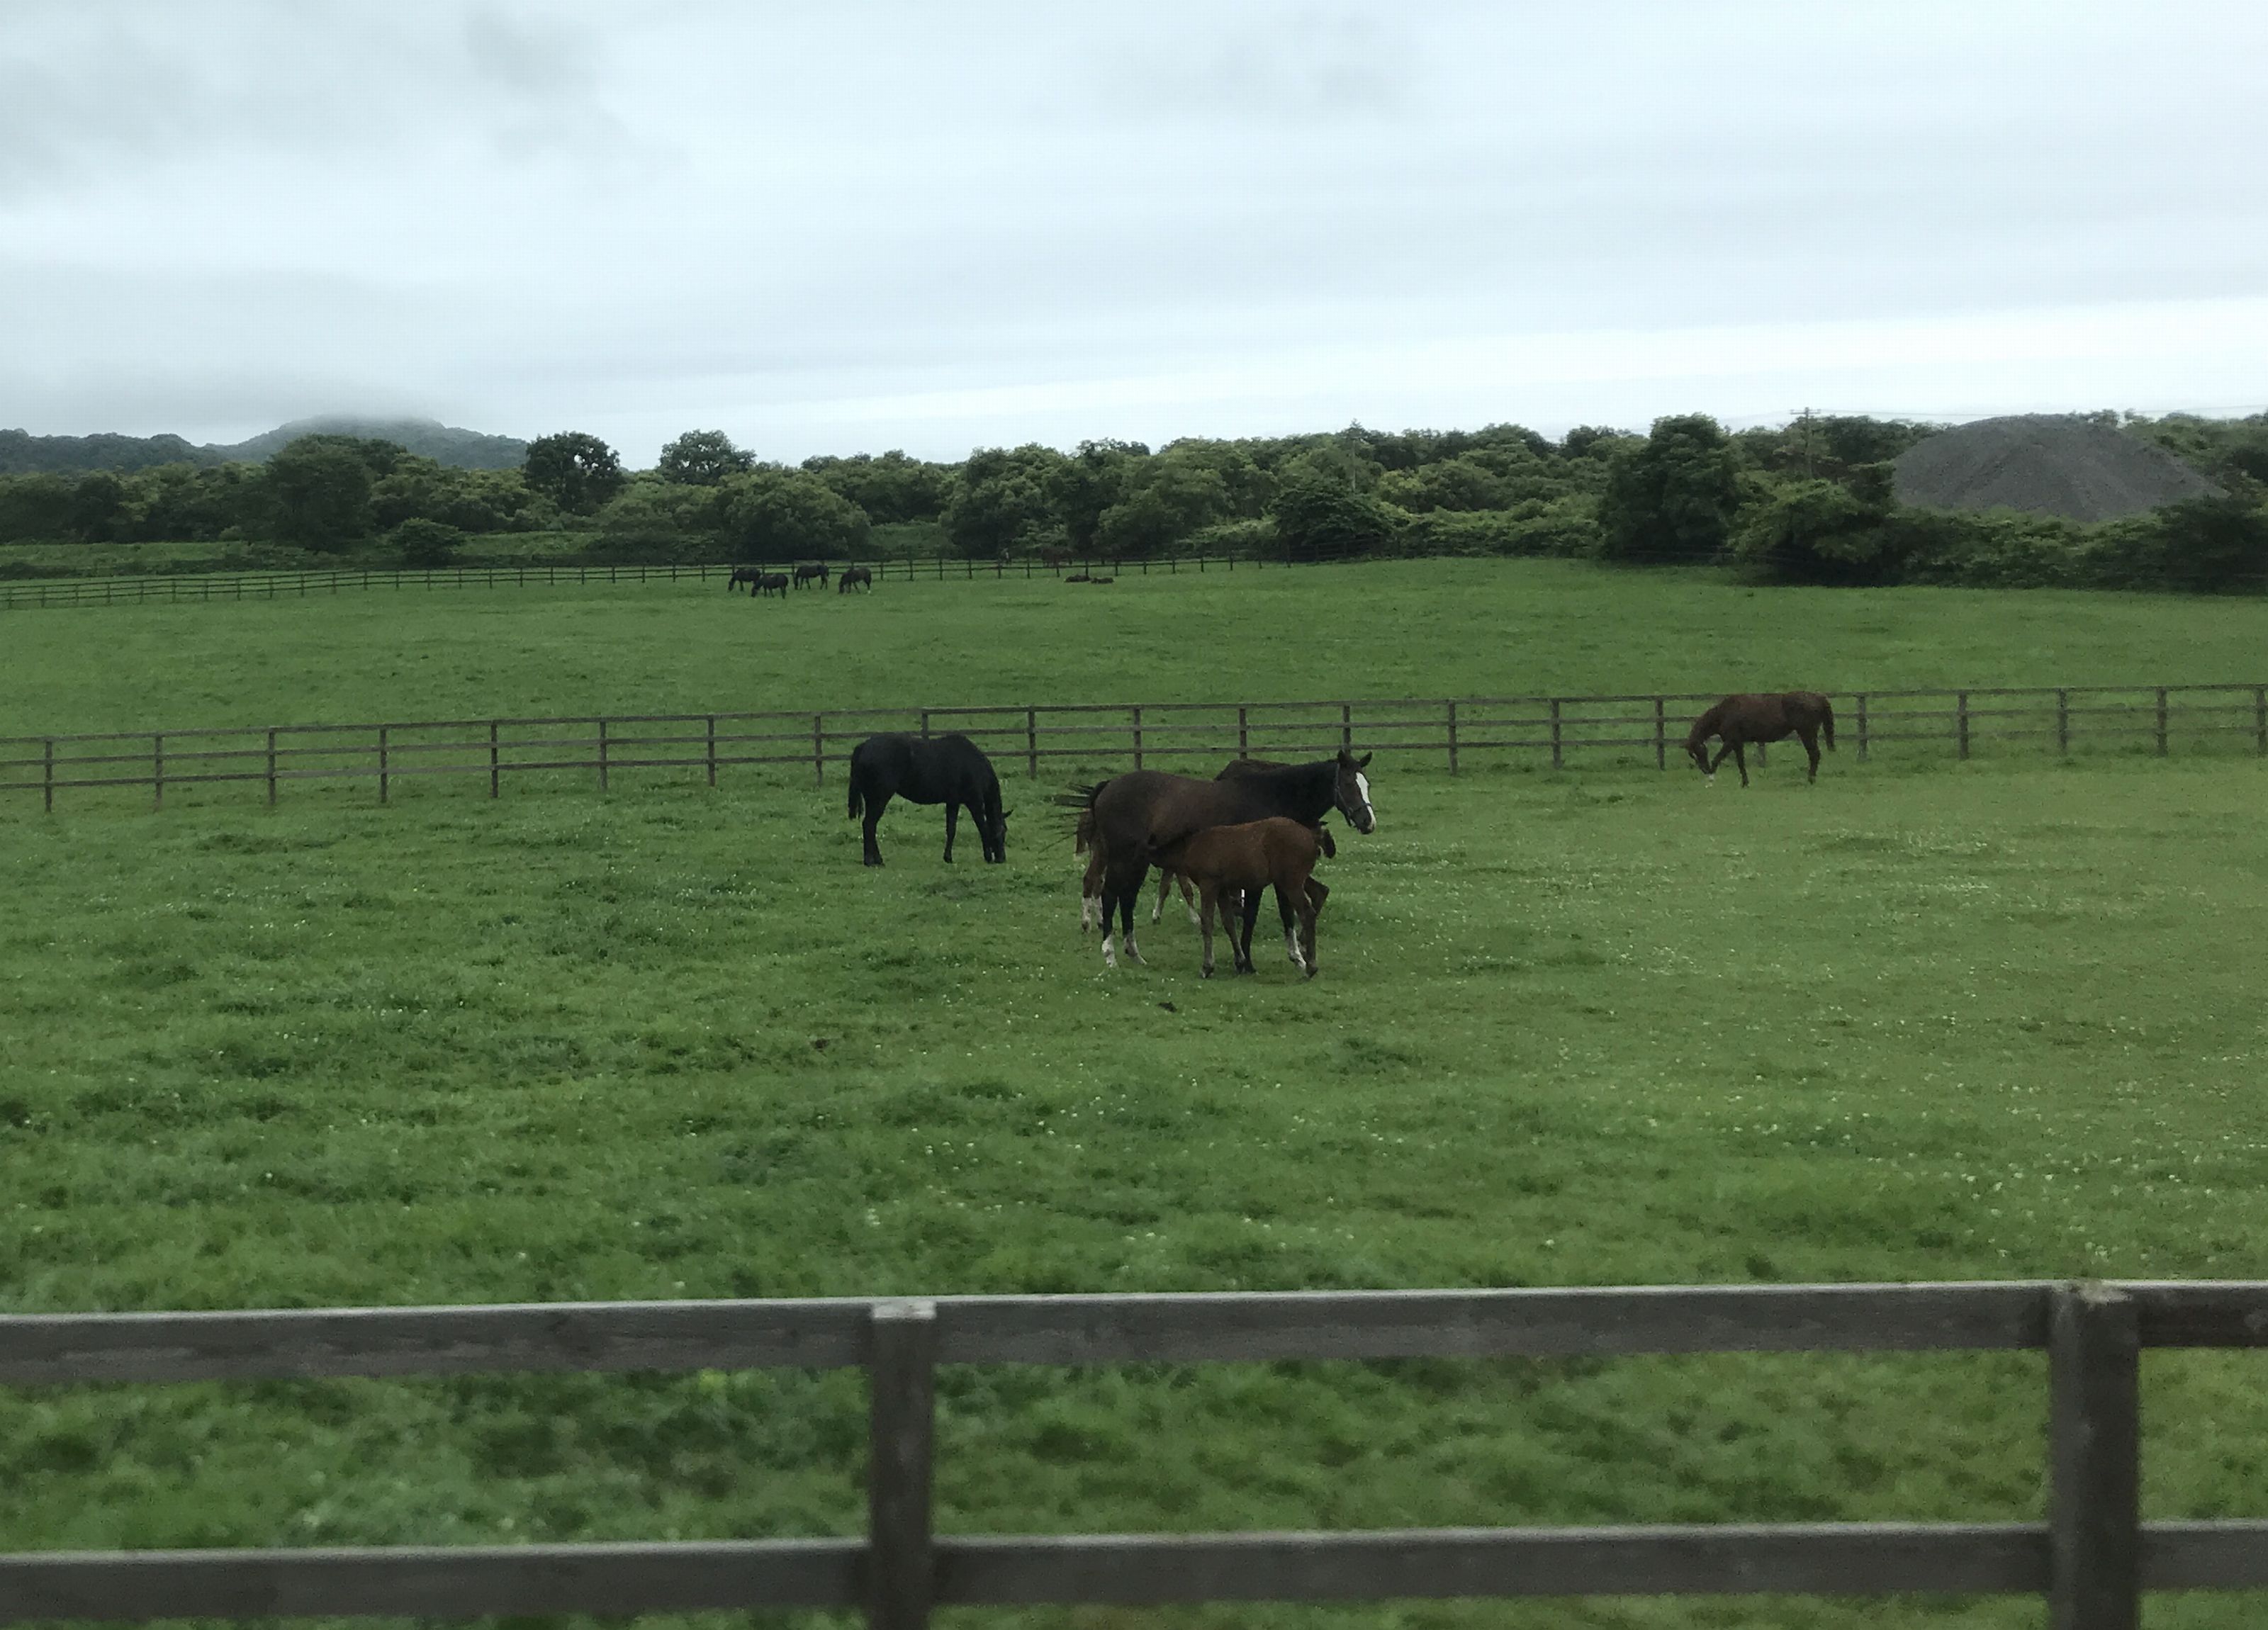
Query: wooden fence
{"type": "Point", "coordinates": [1564, 731]}
{"type": "Point", "coordinates": [179, 587]}
{"type": "Point", "coordinates": [2092, 1559]}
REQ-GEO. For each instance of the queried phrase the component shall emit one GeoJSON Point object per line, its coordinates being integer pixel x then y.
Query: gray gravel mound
{"type": "Point", "coordinates": [2045, 462]}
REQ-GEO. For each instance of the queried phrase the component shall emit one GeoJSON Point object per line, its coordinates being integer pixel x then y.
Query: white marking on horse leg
{"type": "Point", "coordinates": [1291, 948]}
{"type": "Point", "coordinates": [1133, 952]}
{"type": "Point", "coordinates": [1109, 957]}
{"type": "Point", "coordinates": [1090, 909]}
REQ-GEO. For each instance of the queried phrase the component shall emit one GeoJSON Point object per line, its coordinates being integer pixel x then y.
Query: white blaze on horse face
{"type": "Point", "coordinates": [1362, 786]}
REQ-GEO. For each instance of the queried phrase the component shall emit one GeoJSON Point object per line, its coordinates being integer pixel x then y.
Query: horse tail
{"type": "Point", "coordinates": [1827, 722]}
{"type": "Point", "coordinates": [857, 800]}
{"type": "Point", "coordinates": [1082, 834]}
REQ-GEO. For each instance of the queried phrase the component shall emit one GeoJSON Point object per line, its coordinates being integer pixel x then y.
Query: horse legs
{"type": "Point", "coordinates": [1740, 758]}
{"type": "Point", "coordinates": [1293, 917]}
{"type": "Point", "coordinates": [951, 825]}
{"type": "Point", "coordinates": [875, 805]}
{"type": "Point", "coordinates": [1251, 920]}
{"type": "Point", "coordinates": [1810, 738]}
{"type": "Point", "coordinates": [1212, 901]}
{"type": "Point", "coordinates": [1121, 892]}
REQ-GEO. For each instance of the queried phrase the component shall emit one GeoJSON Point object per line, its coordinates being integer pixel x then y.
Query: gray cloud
{"type": "Point", "coordinates": [824, 227]}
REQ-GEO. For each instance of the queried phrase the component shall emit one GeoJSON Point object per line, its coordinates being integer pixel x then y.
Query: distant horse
{"type": "Point", "coordinates": [748, 574]}
{"type": "Point", "coordinates": [858, 575]}
{"type": "Point", "coordinates": [1232, 864]}
{"type": "Point", "coordinates": [1136, 815]}
{"type": "Point", "coordinates": [769, 583]}
{"type": "Point", "coordinates": [811, 571]}
{"type": "Point", "coordinates": [951, 770]}
{"type": "Point", "coordinates": [1740, 720]}
{"type": "Point", "coordinates": [1077, 576]}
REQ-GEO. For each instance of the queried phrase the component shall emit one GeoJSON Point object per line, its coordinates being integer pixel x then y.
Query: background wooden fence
{"type": "Point", "coordinates": [1192, 737]}
{"type": "Point", "coordinates": [2093, 1558]}
{"type": "Point", "coordinates": [177, 587]}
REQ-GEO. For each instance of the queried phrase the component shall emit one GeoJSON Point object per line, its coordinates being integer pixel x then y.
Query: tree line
{"type": "Point", "coordinates": [1809, 501]}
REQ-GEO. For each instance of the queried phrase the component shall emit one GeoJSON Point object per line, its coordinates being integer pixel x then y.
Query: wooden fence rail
{"type": "Point", "coordinates": [177, 588]}
{"type": "Point", "coordinates": [2093, 1559]}
{"type": "Point", "coordinates": [1563, 732]}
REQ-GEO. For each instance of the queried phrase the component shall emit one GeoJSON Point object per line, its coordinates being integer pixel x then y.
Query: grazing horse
{"type": "Point", "coordinates": [1231, 864]}
{"type": "Point", "coordinates": [769, 583]}
{"type": "Point", "coordinates": [951, 770]}
{"type": "Point", "coordinates": [748, 574]}
{"type": "Point", "coordinates": [858, 575]}
{"type": "Point", "coordinates": [1134, 816]}
{"type": "Point", "coordinates": [811, 571]}
{"type": "Point", "coordinates": [1740, 720]}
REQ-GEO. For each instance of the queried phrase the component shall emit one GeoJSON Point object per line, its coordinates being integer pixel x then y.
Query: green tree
{"type": "Point", "coordinates": [1820, 531]}
{"type": "Point", "coordinates": [427, 543]}
{"type": "Point", "coordinates": [1457, 484]}
{"type": "Point", "coordinates": [774, 515]}
{"type": "Point", "coordinates": [575, 471]}
{"type": "Point", "coordinates": [1168, 497]}
{"type": "Point", "coordinates": [1673, 496]}
{"type": "Point", "coordinates": [1081, 487]}
{"type": "Point", "coordinates": [1319, 517]}
{"type": "Point", "coordinates": [2214, 544]}
{"type": "Point", "coordinates": [703, 458]}
{"type": "Point", "coordinates": [34, 508]}
{"type": "Point", "coordinates": [320, 487]}
{"type": "Point", "coordinates": [999, 500]}
{"type": "Point", "coordinates": [890, 488]}
{"type": "Point", "coordinates": [98, 502]}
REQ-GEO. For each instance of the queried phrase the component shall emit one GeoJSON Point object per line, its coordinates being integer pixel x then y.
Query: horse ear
{"type": "Point", "coordinates": [1363, 763]}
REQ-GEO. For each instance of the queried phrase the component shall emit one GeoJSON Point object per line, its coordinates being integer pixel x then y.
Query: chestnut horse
{"type": "Point", "coordinates": [1232, 864]}
{"type": "Point", "coordinates": [1740, 720]}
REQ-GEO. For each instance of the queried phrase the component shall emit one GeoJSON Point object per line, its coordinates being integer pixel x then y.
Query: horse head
{"type": "Point", "coordinates": [996, 839]}
{"type": "Point", "coordinates": [1351, 797]}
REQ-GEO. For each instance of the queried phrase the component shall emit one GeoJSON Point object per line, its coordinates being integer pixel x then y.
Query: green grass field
{"type": "Point", "coordinates": [1410, 628]}
{"type": "Point", "coordinates": [1987, 1021]}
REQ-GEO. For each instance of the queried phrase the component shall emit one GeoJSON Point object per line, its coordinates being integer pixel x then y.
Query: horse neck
{"type": "Point", "coordinates": [1303, 792]}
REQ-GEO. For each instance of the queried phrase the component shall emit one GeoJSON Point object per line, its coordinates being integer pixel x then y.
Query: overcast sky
{"type": "Point", "coordinates": [935, 226]}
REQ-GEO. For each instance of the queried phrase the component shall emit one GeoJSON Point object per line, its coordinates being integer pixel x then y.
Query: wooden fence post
{"type": "Point", "coordinates": [496, 762]}
{"type": "Point", "coordinates": [924, 712]}
{"type": "Point", "coordinates": [47, 775]}
{"type": "Point", "coordinates": [2094, 1453]}
{"type": "Point", "coordinates": [2063, 722]}
{"type": "Point", "coordinates": [384, 776]}
{"type": "Point", "coordinates": [818, 750]}
{"type": "Point", "coordinates": [1558, 759]}
{"type": "Point", "coordinates": [1961, 720]}
{"type": "Point", "coordinates": [1453, 738]}
{"type": "Point", "coordinates": [2260, 719]}
{"type": "Point", "coordinates": [1244, 733]}
{"type": "Point", "coordinates": [602, 755]}
{"type": "Point", "coordinates": [1032, 742]}
{"type": "Point", "coordinates": [157, 771]}
{"type": "Point", "coordinates": [1660, 733]}
{"type": "Point", "coordinates": [1137, 713]}
{"type": "Point", "coordinates": [1862, 728]}
{"type": "Point", "coordinates": [271, 768]}
{"type": "Point", "coordinates": [902, 1419]}
{"type": "Point", "coordinates": [1347, 727]}
{"type": "Point", "coordinates": [2161, 721]}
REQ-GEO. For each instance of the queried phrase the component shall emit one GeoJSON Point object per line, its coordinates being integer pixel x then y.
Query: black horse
{"type": "Point", "coordinates": [1128, 818]}
{"type": "Point", "coordinates": [811, 571]}
{"type": "Point", "coordinates": [769, 583]}
{"type": "Point", "coordinates": [750, 575]}
{"type": "Point", "coordinates": [858, 575]}
{"type": "Point", "coordinates": [951, 770]}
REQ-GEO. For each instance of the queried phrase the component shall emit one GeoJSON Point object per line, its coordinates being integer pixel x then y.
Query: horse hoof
{"type": "Point", "coordinates": [873, 860]}
{"type": "Point", "coordinates": [1207, 970]}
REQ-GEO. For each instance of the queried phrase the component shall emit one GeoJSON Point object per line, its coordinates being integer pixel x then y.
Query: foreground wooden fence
{"type": "Point", "coordinates": [180, 587]}
{"type": "Point", "coordinates": [1195, 736]}
{"type": "Point", "coordinates": [2093, 1558]}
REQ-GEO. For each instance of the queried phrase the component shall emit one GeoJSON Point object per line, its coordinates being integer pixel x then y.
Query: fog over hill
{"type": "Point", "coordinates": [24, 454]}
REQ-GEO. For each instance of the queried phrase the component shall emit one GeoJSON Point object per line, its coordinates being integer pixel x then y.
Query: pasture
{"type": "Point", "coordinates": [1999, 1020]}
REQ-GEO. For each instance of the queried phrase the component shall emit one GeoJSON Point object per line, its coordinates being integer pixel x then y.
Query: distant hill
{"type": "Point", "coordinates": [2047, 464]}
{"type": "Point", "coordinates": [24, 454]}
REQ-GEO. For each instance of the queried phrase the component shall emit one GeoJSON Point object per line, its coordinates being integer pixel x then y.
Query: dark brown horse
{"type": "Point", "coordinates": [1739, 720]}
{"type": "Point", "coordinates": [1167, 877]}
{"type": "Point", "coordinates": [750, 575]}
{"type": "Point", "coordinates": [854, 576]}
{"type": "Point", "coordinates": [769, 583]}
{"type": "Point", "coordinates": [812, 571]}
{"type": "Point", "coordinates": [1134, 816]}
{"type": "Point", "coordinates": [1232, 864]}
